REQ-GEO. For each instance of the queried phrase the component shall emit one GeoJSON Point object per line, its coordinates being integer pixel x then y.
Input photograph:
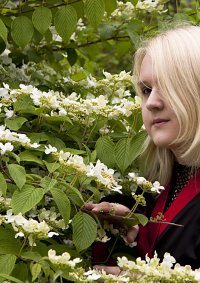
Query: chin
{"type": "Point", "coordinates": [162, 143]}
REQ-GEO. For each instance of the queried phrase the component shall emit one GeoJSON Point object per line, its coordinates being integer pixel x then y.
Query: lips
{"type": "Point", "coordinates": [158, 121]}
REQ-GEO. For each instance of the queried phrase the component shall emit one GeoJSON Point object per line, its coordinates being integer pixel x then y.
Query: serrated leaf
{"type": "Point", "coordinates": [8, 243]}
{"type": "Point", "coordinates": [34, 256]}
{"type": "Point", "coordinates": [25, 199]}
{"type": "Point", "coordinates": [54, 119]}
{"type": "Point", "coordinates": [62, 203]}
{"type": "Point", "coordinates": [24, 104]}
{"type": "Point", "coordinates": [42, 18]}
{"type": "Point", "coordinates": [65, 22]}
{"type": "Point", "coordinates": [3, 31]}
{"type": "Point", "coordinates": [105, 150]}
{"type": "Point", "coordinates": [20, 271]}
{"type": "Point", "coordinates": [11, 278]}
{"type": "Point", "coordinates": [22, 30]}
{"type": "Point", "coordinates": [18, 174]}
{"type": "Point", "coordinates": [3, 185]}
{"type": "Point", "coordinates": [29, 157]}
{"type": "Point", "coordinates": [48, 183]}
{"type": "Point", "coordinates": [74, 195]}
{"type": "Point", "coordinates": [128, 149]}
{"type": "Point", "coordinates": [73, 150]}
{"type": "Point", "coordinates": [141, 218]}
{"type": "Point", "coordinates": [35, 270]}
{"type": "Point", "coordinates": [84, 231]}
{"type": "Point", "coordinates": [15, 124]}
{"type": "Point", "coordinates": [94, 11]}
{"type": "Point", "coordinates": [7, 264]}
{"type": "Point", "coordinates": [51, 167]}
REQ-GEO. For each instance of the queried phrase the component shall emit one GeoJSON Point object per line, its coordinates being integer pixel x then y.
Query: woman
{"type": "Point", "coordinates": [167, 77]}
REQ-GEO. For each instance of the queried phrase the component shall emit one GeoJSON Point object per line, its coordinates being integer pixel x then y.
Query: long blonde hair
{"type": "Point", "coordinates": [175, 54]}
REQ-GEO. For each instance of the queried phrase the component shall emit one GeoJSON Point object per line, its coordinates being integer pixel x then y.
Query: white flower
{"type": "Point", "coordinates": [103, 175]}
{"type": "Point", "coordinates": [51, 234]}
{"type": "Point", "coordinates": [93, 275]}
{"type": "Point", "coordinates": [49, 149]}
{"type": "Point", "coordinates": [157, 187]}
{"type": "Point", "coordinates": [6, 147]}
{"type": "Point", "coordinates": [9, 113]}
{"type": "Point", "coordinates": [20, 234]}
{"type": "Point", "coordinates": [62, 260]}
{"type": "Point", "coordinates": [168, 260]}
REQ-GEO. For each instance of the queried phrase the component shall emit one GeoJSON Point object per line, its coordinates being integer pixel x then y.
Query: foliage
{"type": "Point", "coordinates": [68, 115]}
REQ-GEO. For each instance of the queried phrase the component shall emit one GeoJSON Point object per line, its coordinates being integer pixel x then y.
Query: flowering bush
{"type": "Point", "coordinates": [71, 133]}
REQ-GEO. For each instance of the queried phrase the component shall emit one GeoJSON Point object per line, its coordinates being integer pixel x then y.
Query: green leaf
{"type": "Point", "coordinates": [94, 11]}
{"type": "Point", "coordinates": [28, 156]}
{"type": "Point", "coordinates": [110, 6]}
{"type": "Point", "coordinates": [8, 243]}
{"type": "Point", "coordinates": [128, 149]}
{"type": "Point", "coordinates": [34, 256]}
{"type": "Point", "coordinates": [24, 104]}
{"type": "Point", "coordinates": [51, 167]}
{"type": "Point", "coordinates": [141, 218]}
{"type": "Point", "coordinates": [35, 270]}
{"type": "Point", "coordinates": [3, 31]}
{"type": "Point", "coordinates": [105, 151]}
{"type": "Point", "coordinates": [22, 30]}
{"type": "Point", "coordinates": [62, 203]}
{"type": "Point", "coordinates": [18, 174]}
{"type": "Point", "coordinates": [84, 231]}
{"type": "Point", "coordinates": [25, 199]}
{"type": "Point", "coordinates": [11, 278]}
{"type": "Point", "coordinates": [21, 271]}
{"type": "Point", "coordinates": [73, 150]}
{"type": "Point", "coordinates": [48, 183]}
{"type": "Point", "coordinates": [15, 124]}
{"type": "Point", "coordinates": [65, 22]}
{"type": "Point", "coordinates": [74, 195]}
{"type": "Point", "coordinates": [7, 264]}
{"type": "Point", "coordinates": [3, 185]}
{"type": "Point", "coordinates": [42, 18]}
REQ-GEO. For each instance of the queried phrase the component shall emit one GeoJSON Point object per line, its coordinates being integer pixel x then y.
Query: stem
{"type": "Point", "coordinates": [23, 245]}
{"type": "Point", "coordinates": [134, 207]}
{"type": "Point", "coordinates": [73, 181]}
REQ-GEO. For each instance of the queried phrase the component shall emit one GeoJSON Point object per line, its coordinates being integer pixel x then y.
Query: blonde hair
{"type": "Point", "coordinates": [175, 55]}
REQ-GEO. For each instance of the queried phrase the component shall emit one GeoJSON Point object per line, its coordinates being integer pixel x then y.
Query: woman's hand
{"type": "Point", "coordinates": [112, 210]}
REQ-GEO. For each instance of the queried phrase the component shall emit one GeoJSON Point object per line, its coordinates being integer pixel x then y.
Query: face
{"type": "Point", "coordinates": [159, 119]}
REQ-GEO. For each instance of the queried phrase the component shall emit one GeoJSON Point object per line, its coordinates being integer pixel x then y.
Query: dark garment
{"type": "Point", "coordinates": [181, 242]}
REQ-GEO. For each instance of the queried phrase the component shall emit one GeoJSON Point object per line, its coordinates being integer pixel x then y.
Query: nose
{"type": "Point", "coordinates": [154, 101]}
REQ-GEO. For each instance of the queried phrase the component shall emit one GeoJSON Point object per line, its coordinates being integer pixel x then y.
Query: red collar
{"type": "Point", "coordinates": [149, 234]}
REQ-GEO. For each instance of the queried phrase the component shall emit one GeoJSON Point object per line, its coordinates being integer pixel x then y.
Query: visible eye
{"type": "Point", "coordinates": [146, 91]}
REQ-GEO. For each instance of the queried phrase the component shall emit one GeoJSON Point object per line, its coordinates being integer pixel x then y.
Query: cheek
{"type": "Point", "coordinates": [145, 117]}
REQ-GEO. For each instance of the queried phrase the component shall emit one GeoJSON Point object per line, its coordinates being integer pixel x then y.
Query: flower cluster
{"type": "Point", "coordinates": [52, 218]}
{"type": "Point", "coordinates": [75, 163]}
{"type": "Point", "coordinates": [28, 228]}
{"type": "Point", "coordinates": [8, 137]}
{"type": "Point", "coordinates": [62, 261]}
{"type": "Point", "coordinates": [103, 175]}
{"type": "Point", "coordinates": [128, 10]}
{"type": "Point", "coordinates": [146, 185]}
{"type": "Point", "coordinates": [148, 270]}
{"type": "Point", "coordinates": [151, 5]}
{"type": "Point", "coordinates": [78, 109]}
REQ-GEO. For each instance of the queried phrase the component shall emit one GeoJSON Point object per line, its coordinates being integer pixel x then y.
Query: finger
{"type": "Point", "coordinates": [132, 234]}
{"type": "Point", "coordinates": [89, 205]}
{"type": "Point", "coordinates": [113, 208]}
{"type": "Point", "coordinates": [115, 270]}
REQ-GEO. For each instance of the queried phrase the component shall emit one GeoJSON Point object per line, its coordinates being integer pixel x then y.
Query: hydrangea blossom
{"type": "Point", "coordinates": [63, 261]}
{"type": "Point", "coordinates": [103, 175]}
{"type": "Point", "coordinates": [144, 184]}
